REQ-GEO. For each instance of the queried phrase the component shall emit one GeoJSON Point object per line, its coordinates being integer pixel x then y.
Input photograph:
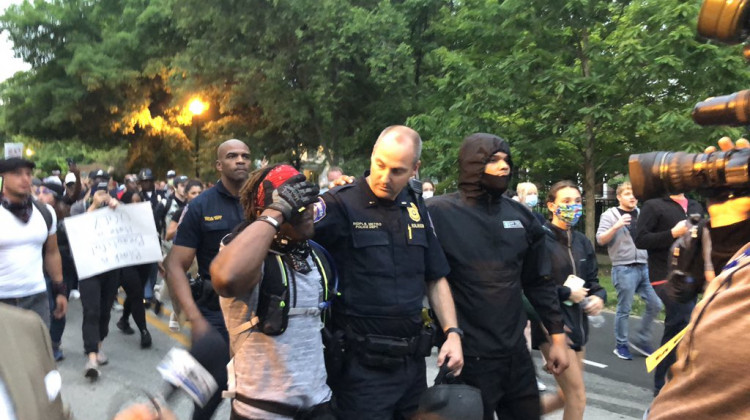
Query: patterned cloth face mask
{"type": "Point", "coordinates": [569, 213]}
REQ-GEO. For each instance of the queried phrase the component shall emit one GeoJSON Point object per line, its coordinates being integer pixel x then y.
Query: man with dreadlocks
{"type": "Point", "coordinates": [272, 284]}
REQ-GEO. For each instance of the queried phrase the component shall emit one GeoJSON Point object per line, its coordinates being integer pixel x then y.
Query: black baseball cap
{"type": "Point", "coordinates": [56, 188]}
{"type": "Point", "coordinates": [180, 179]}
{"type": "Point", "coordinates": [99, 173]}
{"type": "Point", "coordinates": [11, 164]}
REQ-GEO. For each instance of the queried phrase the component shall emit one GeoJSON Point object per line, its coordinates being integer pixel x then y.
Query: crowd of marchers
{"type": "Point", "coordinates": [310, 305]}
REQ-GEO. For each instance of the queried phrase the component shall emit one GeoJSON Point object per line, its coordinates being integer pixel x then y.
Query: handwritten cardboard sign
{"type": "Point", "coordinates": [106, 239]}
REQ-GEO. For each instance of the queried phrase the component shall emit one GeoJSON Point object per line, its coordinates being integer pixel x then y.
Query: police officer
{"type": "Point", "coordinates": [207, 219]}
{"type": "Point", "coordinates": [387, 258]}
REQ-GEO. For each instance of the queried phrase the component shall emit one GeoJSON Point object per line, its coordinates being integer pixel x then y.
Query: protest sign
{"type": "Point", "coordinates": [106, 239]}
{"type": "Point", "coordinates": [13, 150]}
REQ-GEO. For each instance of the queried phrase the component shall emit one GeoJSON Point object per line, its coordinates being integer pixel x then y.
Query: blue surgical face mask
{"type": "Point", "coordinates": [569, 213]}
{"type": "Point", "coordinates": [532, 200]}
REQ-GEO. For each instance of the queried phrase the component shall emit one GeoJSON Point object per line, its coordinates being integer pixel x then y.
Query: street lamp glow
{"type": "Point", "coordinates": [29, 152]}
{"type": "Point", "coordinates": [197, 106]}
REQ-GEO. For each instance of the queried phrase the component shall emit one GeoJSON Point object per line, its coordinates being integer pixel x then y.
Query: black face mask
{"type": "Point", "coordinates": [493, 184]}
{"type": "Point", "coordinates": [21, 210]}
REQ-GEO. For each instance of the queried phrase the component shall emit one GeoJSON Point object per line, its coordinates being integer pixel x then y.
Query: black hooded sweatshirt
{"type": "Point", "coordinates": [496, 251]}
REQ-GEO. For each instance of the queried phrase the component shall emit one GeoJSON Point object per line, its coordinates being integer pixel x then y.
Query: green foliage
{"type": "Point", "coordinates": [575, 86]}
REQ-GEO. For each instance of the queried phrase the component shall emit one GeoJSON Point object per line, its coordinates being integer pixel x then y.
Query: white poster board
{"type": "Point", "coordinates": [13, 150]}
{"type": "Point", "coordinates": [106, 239]}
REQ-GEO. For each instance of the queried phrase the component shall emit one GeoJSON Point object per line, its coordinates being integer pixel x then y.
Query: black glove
{"type": "Point", "coordinates": [292, 196]}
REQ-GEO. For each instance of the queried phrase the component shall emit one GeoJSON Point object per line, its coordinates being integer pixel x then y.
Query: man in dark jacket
{"type": "Point", "coordinates": [663, 220]}
{"type": "Point", "coordinates": [496, 251]}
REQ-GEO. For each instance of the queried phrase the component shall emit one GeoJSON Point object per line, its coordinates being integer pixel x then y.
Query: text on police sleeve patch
{"type": "Point", "coordinates": [512, 224]}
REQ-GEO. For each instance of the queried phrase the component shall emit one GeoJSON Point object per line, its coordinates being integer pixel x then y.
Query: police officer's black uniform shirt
{"type": "Point", "coordinates": [207, 219]}
{"type": "Point", "coordinates": [385, 252]}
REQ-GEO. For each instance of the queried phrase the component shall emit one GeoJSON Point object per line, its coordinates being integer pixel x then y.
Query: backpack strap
{"type": "Point", "coordinates": [274, 270]}
{"type": "Point", "coordinates": [45, 213]}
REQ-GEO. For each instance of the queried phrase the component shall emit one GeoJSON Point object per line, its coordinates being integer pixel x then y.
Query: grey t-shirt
{"type": "Point", "coordinates": [286, 368]}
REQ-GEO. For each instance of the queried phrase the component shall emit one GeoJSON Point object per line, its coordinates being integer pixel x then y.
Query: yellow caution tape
{"type": "Point", "coordinates": [659, 355]}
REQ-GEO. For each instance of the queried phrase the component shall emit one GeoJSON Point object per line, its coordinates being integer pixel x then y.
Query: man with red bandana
{"type": "Point", "coordinates": [278, 372]}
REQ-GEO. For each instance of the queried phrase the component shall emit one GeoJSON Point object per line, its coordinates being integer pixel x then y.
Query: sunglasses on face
{"type": "Point", "coordinates": [45, 190]}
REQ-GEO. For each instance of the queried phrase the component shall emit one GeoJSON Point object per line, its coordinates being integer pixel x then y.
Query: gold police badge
{"type": "Point", "coordinates": [414, 212]}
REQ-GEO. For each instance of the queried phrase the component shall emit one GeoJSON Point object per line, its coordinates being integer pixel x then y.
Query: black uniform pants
{"type": "Point", "coordinates": [366, 393]}
{"type": "Point", "coordinates": [97, 296]}
{"type": "Point", "coordinates": [508, 385]}
{"type": "Point", "coordinates": [677, 317]}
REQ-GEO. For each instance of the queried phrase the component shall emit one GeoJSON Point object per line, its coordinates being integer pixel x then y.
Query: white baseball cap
{"type": "Point", "coordinates": [70, 178]}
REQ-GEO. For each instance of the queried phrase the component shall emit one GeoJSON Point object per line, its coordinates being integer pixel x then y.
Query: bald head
{"type": "Point", "coordinates": [230, 144]}
{"type": "Point", "coordinates": [401, 134]}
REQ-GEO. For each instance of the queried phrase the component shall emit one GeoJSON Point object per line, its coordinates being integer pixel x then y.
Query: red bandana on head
{"type": "Point", "coordinates": [276, 177]}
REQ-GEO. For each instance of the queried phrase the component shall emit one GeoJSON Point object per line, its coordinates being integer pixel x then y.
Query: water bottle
{"type": "Point", "coordinates": [596, 321]}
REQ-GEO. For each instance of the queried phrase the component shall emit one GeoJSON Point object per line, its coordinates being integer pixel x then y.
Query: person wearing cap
{"type": "Point", "coordinates": [96, 178]}
{"type": "Point", "coordinates": [388, 259]}
{"type": "Point", "coordinates": [206, 220]}
{"type": "Point", "coordinates": [284, 374]}
{"type": "Point", "coordinates": [28, 245]}
{"type": "Point", "coordinates": [73, 187]}
{"type": "Point", "coordinates": [53, 194]}
{"type": "Point", "coordinates": [151, 195]}
{"type": "Point", "coordinates": [98, 292]}
{"type": "Point", "coordinates": [175, 202]}
{"type": "Point", "coordinates": [171, 174]}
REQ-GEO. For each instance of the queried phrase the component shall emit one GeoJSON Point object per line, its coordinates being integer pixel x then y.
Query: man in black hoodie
{"type": "Point", "coordinates": [495, 248]}
{"type": "Point", "coordinates": [661, 222]}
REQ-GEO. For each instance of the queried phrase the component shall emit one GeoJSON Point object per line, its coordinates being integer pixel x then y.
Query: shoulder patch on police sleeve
{"type": "Point", "coordinates": [320, 210]}
{"type": "Point", "coordinates": [512, 224]}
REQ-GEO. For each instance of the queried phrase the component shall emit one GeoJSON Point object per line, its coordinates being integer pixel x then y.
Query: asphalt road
{"type": "Point", "coordinates": [616, 389]}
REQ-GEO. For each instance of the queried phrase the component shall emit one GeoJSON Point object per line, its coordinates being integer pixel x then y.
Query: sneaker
{"type": "Point", "coordinates": [642, 348]}
{"type": "Point", "coordinates": [145, 339]}
{"type": "Point", "coordinates": [622, 352]}
{"type": "Point", "coordinates": [75, 294]}
{"type": "Point", "coordinates": [101, 358]}
{"type": "Point", "coordinates": [124, 326]}
{"type": "Point", "coordinates": [174, 325]}
{"type": "Point", "coordinates": [91, 370]}
{"type": "Point", "coordinates": [540, 385]}
{"type": "Point", "coordinates": [157, 306]}
{"type": "Point", "coordinates": [58, 353]}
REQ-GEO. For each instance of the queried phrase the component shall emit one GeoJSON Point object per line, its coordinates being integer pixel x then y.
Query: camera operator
{"type": "Point", "coordinates": [709, 376]}
{"type": "Point", "coordinates": [662, 220]}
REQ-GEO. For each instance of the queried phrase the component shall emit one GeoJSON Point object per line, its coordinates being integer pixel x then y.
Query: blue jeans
{"type": "Point", "coordinates": [629, 280]}
{"type": "Point", "coordinates": [150, 281]}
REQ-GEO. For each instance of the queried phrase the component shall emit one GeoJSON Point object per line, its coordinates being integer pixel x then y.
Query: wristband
{"type": "Point", "coordinates": [59, 289]}
{"type": "Point", "coordinates": [456, 330]}
{"type": "Point", "coordinates": [271, 221]}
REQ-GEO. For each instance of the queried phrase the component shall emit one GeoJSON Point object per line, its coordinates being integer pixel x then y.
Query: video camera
{"type": "Point", "coordinates": [719, 174]}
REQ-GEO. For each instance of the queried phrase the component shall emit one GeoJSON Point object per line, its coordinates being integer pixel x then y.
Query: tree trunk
{"type": "Point", "coordinates": [589, 181]}
{"type": "Point", "coordinates": [589, 164]}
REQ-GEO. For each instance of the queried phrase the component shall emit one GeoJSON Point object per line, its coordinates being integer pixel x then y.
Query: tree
{"type": "Point", "coordinates": [98, 74]}
{"type": "Point", "coordinates": [329, 78]}
{"type": "Point", "coordinates": [575, 85]}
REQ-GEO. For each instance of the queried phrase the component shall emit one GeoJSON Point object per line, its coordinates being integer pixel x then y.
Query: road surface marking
{"type": "Point", "coordinates": [594, 364]}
